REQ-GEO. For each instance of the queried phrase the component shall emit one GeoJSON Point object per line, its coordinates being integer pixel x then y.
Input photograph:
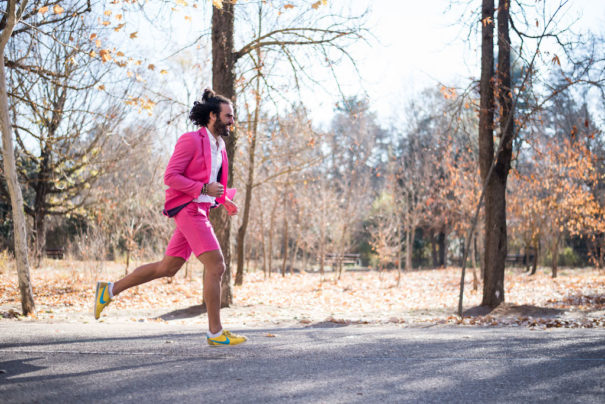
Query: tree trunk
{"type": "Point", "coordinates": [127, 260]}
{"type": "Point", "coordinates": [223, 82]}
{"type": "Point", "coordinates": [495, 243]}
{"type": "Point", "coordinates": [408, 249]}
{"type": "Point", "coordinates": [441, 239]}
{"type": "Point", "coordinates": [42, 183]}
{"type": "Point", "coordinates": [271, 234]}
{"type": "Point", "coordinates": [322, 239]}
{"type": "Point", "coordinates": [495, 193]}
{"type": "Point", "coordinates": [263, 244]}
{"type": "Point", "coordinates": [285, 246]}
{"type": "Point", "coordinates": [10, 169]}
{"type": "Point", "coordinates": [294, 254]}
{"type": "Point", "coordinates": [474, 263]}
{"type": "Point", "coordinates": [434, 255]}
{"type": "Point", "coordinates": [248, 257]}
{"type": "Point", "coordinates": [555, 254]}
{"type": "Point", "coordinates": [535, 263]}
{"type": "Point", "coordinates": [341, 249]}
{"type": "Point", "coordinates": [41, 187]}
{"type": "Point", "coordinates": [398, 253]}
{"type": "Point", "coordinates": [480, 234]}
{"type": "Point", "coordinates": [473, 252]}
{"type": "Point", "coordinates": [526, 247]}
{"type": "Point", "coordinates": [40, 235]}
{"type": "Point", "coordinates": [601, 253]}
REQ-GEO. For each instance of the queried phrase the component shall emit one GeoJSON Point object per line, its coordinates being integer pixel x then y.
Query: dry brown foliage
{"type": "Point", "coordinates": [64, 291]}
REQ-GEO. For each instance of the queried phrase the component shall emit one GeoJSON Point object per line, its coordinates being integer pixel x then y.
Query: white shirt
{"type": "Point", "coordinates": [216, 146]}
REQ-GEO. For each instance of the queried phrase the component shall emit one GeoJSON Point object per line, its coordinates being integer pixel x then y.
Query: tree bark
{"type": "Point", "coordinates": [409, 242]}
{"type": "Point", "coordinates": [285, 245]}
{"type": "Point", "coordinates": [294, 253]}
{"type": "Point", "coordinates": [41, 188]}
{"type": "Point", "coordinates": [434, 255]}
{"type": "Point", "coordinates": [555, 254]}
{"type": "Point", "coordinates": [271, 234]}
{"type": "Point", "coordinates": [398, 253]}
{"type": "Point", "coordinates": [10, 169]}
{"type": "Point", "coordinates": [341, 249]}
{"type": "Point", "coordinates": [262, 241]}
{"type": "Point", "coordinates": [474, 263]}
{"type": "Point", "coordinates": [322, 239]}
{"type": "Point", "coordinates": [535, 263]}
{"type": "Point", "coordinates": [40, 235]}
{"type": "Point", "coordinates": [441, 240]}
{"type": "Point", "coordinates": [223, 82]}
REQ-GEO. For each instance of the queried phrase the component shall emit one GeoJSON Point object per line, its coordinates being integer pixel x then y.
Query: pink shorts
{"type": "Point", "coordinates": [193, 232]}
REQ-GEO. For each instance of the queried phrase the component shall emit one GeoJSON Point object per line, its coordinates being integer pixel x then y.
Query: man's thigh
{"type": "Point", "coordinates": [195, 226]}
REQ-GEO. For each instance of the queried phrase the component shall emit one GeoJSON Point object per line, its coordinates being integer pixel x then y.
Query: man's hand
{"type": "Point", "coordinates": [230, 206]}
{"type": "Point", "coordinates": [215, 189]}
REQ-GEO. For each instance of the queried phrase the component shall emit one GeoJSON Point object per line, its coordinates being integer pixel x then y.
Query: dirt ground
{"type": "Point", "coordinates": [64, 292]}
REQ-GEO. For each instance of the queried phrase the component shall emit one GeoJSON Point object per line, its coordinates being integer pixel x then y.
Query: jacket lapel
{"type": "Point", "coordinates": [224, 174]}
{"type": "Point", "coordinates": [206, 150]}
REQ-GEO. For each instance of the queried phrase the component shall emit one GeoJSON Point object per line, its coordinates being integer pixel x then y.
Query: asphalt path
{"type": "Point", "coordinates": [156, 362]}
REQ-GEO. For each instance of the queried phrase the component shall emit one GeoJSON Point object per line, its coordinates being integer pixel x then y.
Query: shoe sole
{"type": "Point", "coordinates": [94, 305]}
{"type": "Point", "coordinates": [223, 345]}
{"type": "Point", "coordinates": [218, 344]}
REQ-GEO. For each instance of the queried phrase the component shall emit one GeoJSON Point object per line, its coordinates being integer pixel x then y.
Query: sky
{"type": "Point", "coordinates": [418, 44]}
{"type": "Point", "coordinates": [411, 45]}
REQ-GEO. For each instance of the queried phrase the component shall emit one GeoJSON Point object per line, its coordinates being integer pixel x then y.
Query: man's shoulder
{"type": "Point", "coordinates": [190, 135]}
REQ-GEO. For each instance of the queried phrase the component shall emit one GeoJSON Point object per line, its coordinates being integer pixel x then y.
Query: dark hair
{"type": "Point", "coordinates": [211, 102]}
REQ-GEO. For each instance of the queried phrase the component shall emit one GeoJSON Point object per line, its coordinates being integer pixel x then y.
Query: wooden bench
{"type": "Point", "coordinates": [55, 253]}
{"type": "Point", "coordinates": [520, 259]}
{"type": "Point", "coordinates": [345, 258]}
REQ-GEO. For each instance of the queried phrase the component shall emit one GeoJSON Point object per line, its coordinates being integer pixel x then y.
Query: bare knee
{"type": "Point", "coordinates": [216, 268]}
{"type": "Point", "coordinates": [214, 263]}
{"type": "Point", "coordinates": [168, 267]}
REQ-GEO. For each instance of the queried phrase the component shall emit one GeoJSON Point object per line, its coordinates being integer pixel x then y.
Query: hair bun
{"type": "Point", "coordinates": [208, 93]}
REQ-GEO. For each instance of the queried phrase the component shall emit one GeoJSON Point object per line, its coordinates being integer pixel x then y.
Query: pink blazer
{"type": "Point", "coordinates": [189, 169]}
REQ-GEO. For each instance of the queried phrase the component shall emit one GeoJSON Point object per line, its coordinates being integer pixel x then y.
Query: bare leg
{"type": "Point", "coordinates": [214, 265]}
{"type": "Point", "coordinates": [168, 266]}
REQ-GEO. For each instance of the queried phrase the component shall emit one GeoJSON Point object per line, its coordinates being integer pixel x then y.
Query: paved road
{"type": "Point", "coordinates": [148, 363]}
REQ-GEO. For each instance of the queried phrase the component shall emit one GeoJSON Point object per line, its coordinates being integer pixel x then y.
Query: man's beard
{"type": "Point", "coordinates": [221, 129]}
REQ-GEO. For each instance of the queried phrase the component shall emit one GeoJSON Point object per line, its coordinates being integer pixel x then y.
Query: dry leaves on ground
{"type": "Point", "coordinates": [575, 299]}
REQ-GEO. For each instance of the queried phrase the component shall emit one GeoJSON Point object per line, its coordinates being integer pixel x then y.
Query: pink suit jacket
{"type": "Point", "coordinates": [189, 169]}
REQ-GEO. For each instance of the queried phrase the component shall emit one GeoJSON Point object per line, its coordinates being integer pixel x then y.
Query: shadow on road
{"type": "Point", "coordinates": [189, 312]}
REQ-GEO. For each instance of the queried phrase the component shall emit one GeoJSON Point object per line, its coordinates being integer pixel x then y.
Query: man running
{"type": "Point", "coordinates": [196, 177]}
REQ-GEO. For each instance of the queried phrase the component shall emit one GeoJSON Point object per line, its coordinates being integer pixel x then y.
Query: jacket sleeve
{"type": "Point", "coordinates": [180, 159]}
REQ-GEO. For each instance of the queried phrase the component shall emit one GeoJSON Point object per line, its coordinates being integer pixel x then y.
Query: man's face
{"type": "Point", "coordinates": [224, 122]}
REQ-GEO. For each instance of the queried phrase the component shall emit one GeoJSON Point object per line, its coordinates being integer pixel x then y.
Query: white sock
{"type": "Point", "coordinates": [110, 289]}
{"type": "Point", "coordinates": [211, 335]}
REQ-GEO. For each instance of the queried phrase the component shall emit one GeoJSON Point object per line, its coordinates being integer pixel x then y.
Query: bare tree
{"type": "Point", "coordinates": [14, 12]}
{"type": "Point", "coordinates": [63, 126]}
{"type": "Point", "coordinates": [320, 35]}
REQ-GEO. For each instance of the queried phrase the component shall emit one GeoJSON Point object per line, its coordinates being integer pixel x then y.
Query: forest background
{"type": "Point", "coordinates": [99, 92]}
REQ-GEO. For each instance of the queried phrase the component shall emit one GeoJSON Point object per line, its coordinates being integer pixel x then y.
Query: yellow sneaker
{"type": "Point", "coordinates": [226, 338]}
{"type": "Point", "coordinates": [102, 298]}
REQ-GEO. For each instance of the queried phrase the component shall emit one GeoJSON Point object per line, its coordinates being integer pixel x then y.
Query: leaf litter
{"type": "Point", "coordinates": [423, 298]}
